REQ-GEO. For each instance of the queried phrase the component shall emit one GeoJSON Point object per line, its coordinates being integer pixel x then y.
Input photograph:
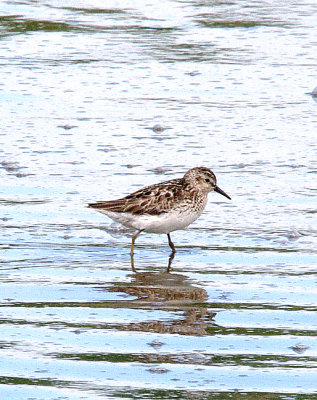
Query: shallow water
{"type": "Point", "coordinates": [99, 101]}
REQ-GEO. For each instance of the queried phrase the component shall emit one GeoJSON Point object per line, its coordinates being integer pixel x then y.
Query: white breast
{"type": "Point", "coordinates": [163, 223]}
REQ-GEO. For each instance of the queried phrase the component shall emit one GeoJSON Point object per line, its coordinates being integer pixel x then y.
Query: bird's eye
{"type": "Point", "coordinates": [207, 180]}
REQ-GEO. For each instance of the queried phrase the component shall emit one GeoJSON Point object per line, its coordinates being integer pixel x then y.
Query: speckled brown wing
{"type": "Point", "coordinates": [151, 200]}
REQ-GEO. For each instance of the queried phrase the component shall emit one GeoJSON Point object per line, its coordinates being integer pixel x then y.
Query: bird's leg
{"type": "Point", "coordinates": [133, 241]}
{"type": "Point", "coordinates": [171, 257]}
{"type": "Point", "coordinates": [132, 247]}
{"type": "Point", "coordinates": [171, 244]}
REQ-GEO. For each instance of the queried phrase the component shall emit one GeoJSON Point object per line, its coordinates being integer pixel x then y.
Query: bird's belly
{"type": "Point", "coordinates": [163, 223]}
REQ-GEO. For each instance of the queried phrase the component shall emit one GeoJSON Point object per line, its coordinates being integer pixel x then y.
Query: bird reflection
{"type": "Point", "coordinates": [168, 292]}
{"type": "Point", "coordinates": [169, 265]}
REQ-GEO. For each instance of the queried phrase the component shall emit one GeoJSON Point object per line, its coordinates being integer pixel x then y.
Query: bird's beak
{"type": "Point", "coordinates": [218, 190]}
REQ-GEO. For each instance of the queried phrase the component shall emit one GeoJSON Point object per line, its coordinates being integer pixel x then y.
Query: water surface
{"type": "Point", "coordinates": [97, 101]}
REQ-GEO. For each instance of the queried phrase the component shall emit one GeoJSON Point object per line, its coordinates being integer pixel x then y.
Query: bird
{"type": "Point", "coordinates": [164, 207]}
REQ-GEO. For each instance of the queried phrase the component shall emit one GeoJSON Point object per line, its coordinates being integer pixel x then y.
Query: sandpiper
{"type": "Point", "coordinates": [164, 207]}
